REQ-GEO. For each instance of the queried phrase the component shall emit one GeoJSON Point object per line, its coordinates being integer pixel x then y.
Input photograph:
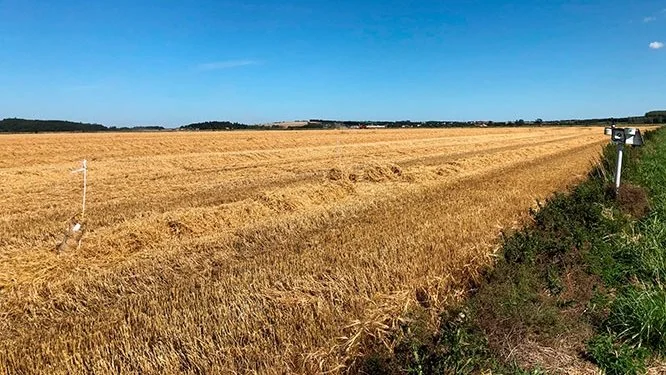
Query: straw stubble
{"type": "Point", "coordinates": [267, 252]}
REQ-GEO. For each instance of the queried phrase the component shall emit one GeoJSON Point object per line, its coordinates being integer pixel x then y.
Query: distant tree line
{"type": "Point", "coordinates": [135, 128]}
{"type": "Point", "coordinates": [654, 117]}
{"type": "Point", "coordinates": [215, 125]}
{"type": "Point", "coordinates": [16, 125]}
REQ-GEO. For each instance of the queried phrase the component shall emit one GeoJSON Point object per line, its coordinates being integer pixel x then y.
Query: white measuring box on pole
{"type": "Point", "coordinates": [621, 137]}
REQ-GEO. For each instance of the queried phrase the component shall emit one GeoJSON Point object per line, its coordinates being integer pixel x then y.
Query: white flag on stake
{"type": "Point", "coordinates": [83, 169]}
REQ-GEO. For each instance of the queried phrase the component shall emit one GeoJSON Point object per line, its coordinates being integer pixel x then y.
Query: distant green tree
{"type": "Point", "coordinates": [215, 125]}
{"type": "Point", "coordinates": [655, 117]}
{"type": "Point", "coordinates": [17, 125]}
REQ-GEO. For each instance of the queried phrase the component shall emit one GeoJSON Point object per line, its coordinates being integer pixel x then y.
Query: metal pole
{"type": "Point", "coordinates": [618, 169]}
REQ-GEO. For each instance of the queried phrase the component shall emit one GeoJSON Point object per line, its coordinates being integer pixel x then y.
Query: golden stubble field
{"type": "Point", "coordinates": [242, 252]}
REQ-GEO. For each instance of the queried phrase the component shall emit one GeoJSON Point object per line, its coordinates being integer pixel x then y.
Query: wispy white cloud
{"type": "Point", "coordinates": [649, 19]}
{"type": "Point", "coordinates": [227, 64]}
{"type": "Point", "coordinates": [656, 45]}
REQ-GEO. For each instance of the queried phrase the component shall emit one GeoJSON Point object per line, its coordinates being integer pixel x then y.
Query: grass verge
{"type": "Point", "coordinates": [579, 289]}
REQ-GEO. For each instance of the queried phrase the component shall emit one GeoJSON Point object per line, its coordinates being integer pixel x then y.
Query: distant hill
{"type": "Point", "coordinates": [17, 125]}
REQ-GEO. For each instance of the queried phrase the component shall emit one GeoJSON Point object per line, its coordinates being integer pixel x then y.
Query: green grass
{"type": "Point", "coordinates": [638, 313]}
{"type": "Point", "coordinates": [584, 266]}
{"type": "Point", "coordinates": [638, 317]}
{"type": "Point", "coordinates": [616, 358]}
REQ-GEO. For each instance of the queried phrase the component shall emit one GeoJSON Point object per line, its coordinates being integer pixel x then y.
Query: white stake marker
{"type": "Point", "coordinates": [84, 169]}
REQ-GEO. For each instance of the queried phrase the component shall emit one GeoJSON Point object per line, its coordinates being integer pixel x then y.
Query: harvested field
{"type": "Point", "coordinates": [267, 252]}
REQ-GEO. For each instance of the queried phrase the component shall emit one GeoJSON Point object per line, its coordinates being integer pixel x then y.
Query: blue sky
{"type": "Point", "coordinates": [141, 62]}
